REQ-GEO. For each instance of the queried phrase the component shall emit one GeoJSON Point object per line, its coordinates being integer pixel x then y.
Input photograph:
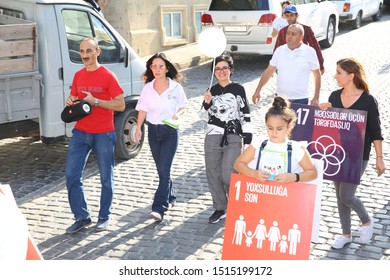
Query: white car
{"type": "Point", "coordinates": [247, 24]}
{"type": "Point", "coordinates": [354, 11]}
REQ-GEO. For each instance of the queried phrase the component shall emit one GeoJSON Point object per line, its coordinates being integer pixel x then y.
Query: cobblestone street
{"type": "Point", "coordinates": [36, 174]}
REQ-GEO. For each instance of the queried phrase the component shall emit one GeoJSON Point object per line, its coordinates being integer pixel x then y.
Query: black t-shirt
{"type": "Point", "coordinates": [368, 103]}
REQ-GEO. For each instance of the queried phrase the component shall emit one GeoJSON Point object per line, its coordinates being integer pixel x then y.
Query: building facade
{"type": "Point", "coordinates": [156, 25]}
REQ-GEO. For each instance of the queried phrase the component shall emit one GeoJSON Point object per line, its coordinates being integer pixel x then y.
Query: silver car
{"type": "Point", "coordinates": [247, 24]}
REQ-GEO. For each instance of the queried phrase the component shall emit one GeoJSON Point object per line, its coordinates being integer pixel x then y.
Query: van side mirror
{"type": "Point", "coordinates": [124, 55]}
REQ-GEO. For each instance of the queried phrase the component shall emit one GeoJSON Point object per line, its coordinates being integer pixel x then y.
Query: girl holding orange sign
{"type": "Point", "coordinates": [291, 158]}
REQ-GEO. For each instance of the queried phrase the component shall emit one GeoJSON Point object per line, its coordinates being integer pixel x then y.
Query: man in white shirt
{"type": "Point", "coordinates": [294, 62]}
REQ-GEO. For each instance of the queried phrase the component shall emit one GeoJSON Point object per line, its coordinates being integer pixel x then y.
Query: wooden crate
{"type": "Point", "coordinates": [18, 46]}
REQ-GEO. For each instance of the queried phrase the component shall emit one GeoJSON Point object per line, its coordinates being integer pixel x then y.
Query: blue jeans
{"type": "Point", "coordinates": [163, 141]}
{"type": "Point", "coordinates": [80, 146]}
{"type": "Point", "coordinates": [300, 101]}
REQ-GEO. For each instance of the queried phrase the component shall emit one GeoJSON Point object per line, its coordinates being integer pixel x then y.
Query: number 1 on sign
{"type": "Point", "coordinates": [238, 187]}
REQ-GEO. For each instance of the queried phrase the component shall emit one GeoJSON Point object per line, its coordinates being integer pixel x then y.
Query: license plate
{"type": "Point", "coordinates": [236, 28]}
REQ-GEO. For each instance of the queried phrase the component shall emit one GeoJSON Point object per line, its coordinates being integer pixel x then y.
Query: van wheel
{"type": "Point", "coordinates": [358, 21]}
{"type": "Point", "coordinates": [378, 14]}
{"type": "Point", "coordinates": [330, 34]}
{"type": "Point", "coordinates": [126, 146]}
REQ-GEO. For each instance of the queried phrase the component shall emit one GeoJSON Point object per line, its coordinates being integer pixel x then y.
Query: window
{"type": "Point", "coordinates": [198, 23]}
{"type": "Point", "coordinates": [110, 50]}
{"type": "Point", "coordinates": [172, 25]}
{"type": "Point", "coordinates": [239, 5]}
{"type": "Point", "coordinates": [78, 25]}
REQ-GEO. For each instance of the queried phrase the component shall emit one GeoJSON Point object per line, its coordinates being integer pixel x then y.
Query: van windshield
{"type": "Point", "coordinates": [239, 5]}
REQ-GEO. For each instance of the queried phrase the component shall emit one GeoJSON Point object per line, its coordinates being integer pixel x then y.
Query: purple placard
{"type": "Point", "coordinates": [334, 135]}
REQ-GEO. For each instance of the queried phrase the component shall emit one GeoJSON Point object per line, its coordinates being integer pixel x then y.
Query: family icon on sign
{"type": "Point", "coordinates": [273, 235]}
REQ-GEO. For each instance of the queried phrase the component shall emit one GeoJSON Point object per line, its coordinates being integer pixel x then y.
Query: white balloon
{"type": "Point", "coordinates": [212, 42]}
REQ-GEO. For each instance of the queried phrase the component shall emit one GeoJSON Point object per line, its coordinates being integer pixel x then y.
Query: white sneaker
{"type": "Point", "coordinates": [366, 232]}
{"type": "Point", "coordinates": [340, 241]}
{"type": "Point", "coordinates": [156, 216]}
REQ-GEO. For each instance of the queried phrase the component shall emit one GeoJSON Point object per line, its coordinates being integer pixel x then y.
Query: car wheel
{"type": "Point", "coordinates": [358, 21]}
{"type": "Point", "coordinates": [126, 146]}
{"type": "Point", "coordinates": [378, 14]}
{"type": "Point", "coordinates": [330, 34]}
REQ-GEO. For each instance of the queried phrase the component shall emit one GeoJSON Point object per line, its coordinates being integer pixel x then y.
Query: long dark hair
{"type": "Point", "coordinates": [352, 66]}
{"type": "Point", "coordinates": [172, 73]}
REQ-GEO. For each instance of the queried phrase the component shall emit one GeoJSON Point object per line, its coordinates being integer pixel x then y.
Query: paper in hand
{"type": "Point", "coordinates": [172, 123]}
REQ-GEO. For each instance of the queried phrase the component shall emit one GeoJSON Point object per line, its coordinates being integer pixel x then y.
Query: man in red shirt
{"type": "Point", "coordinates": [99, 87]}
{"type": "Point", "coordinates": [291, 15]}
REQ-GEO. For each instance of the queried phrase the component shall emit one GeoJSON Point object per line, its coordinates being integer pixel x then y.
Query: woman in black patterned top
{"type": "Point", "coordinates": [227, 128]}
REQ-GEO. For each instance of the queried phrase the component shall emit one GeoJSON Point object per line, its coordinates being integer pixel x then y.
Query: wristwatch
{"type": "Point", "coordinates": [96, 102]}
{"type": "Point", "coordinates": [297, 177]}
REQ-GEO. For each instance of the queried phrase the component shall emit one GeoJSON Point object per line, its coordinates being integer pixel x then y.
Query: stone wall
{"type": "Point", "coordinates": [140, 22]}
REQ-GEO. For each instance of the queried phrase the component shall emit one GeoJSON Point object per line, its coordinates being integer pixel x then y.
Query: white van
{"type": "Point", "coordinates": [39, 55]}
{"type": "Point", "coordinates": [354, 11]}
{"type": "Point", "coordinates": [248, 23]}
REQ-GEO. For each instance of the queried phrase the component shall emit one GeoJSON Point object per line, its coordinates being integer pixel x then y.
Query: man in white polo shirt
{"type": "Point", "coordinates": [294, 62]}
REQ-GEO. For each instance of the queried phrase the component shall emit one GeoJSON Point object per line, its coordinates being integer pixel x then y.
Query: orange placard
{"type": "Point", "coordinates": [33, 252]}
{"type": "Point", "coordinates": [268, 221]}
